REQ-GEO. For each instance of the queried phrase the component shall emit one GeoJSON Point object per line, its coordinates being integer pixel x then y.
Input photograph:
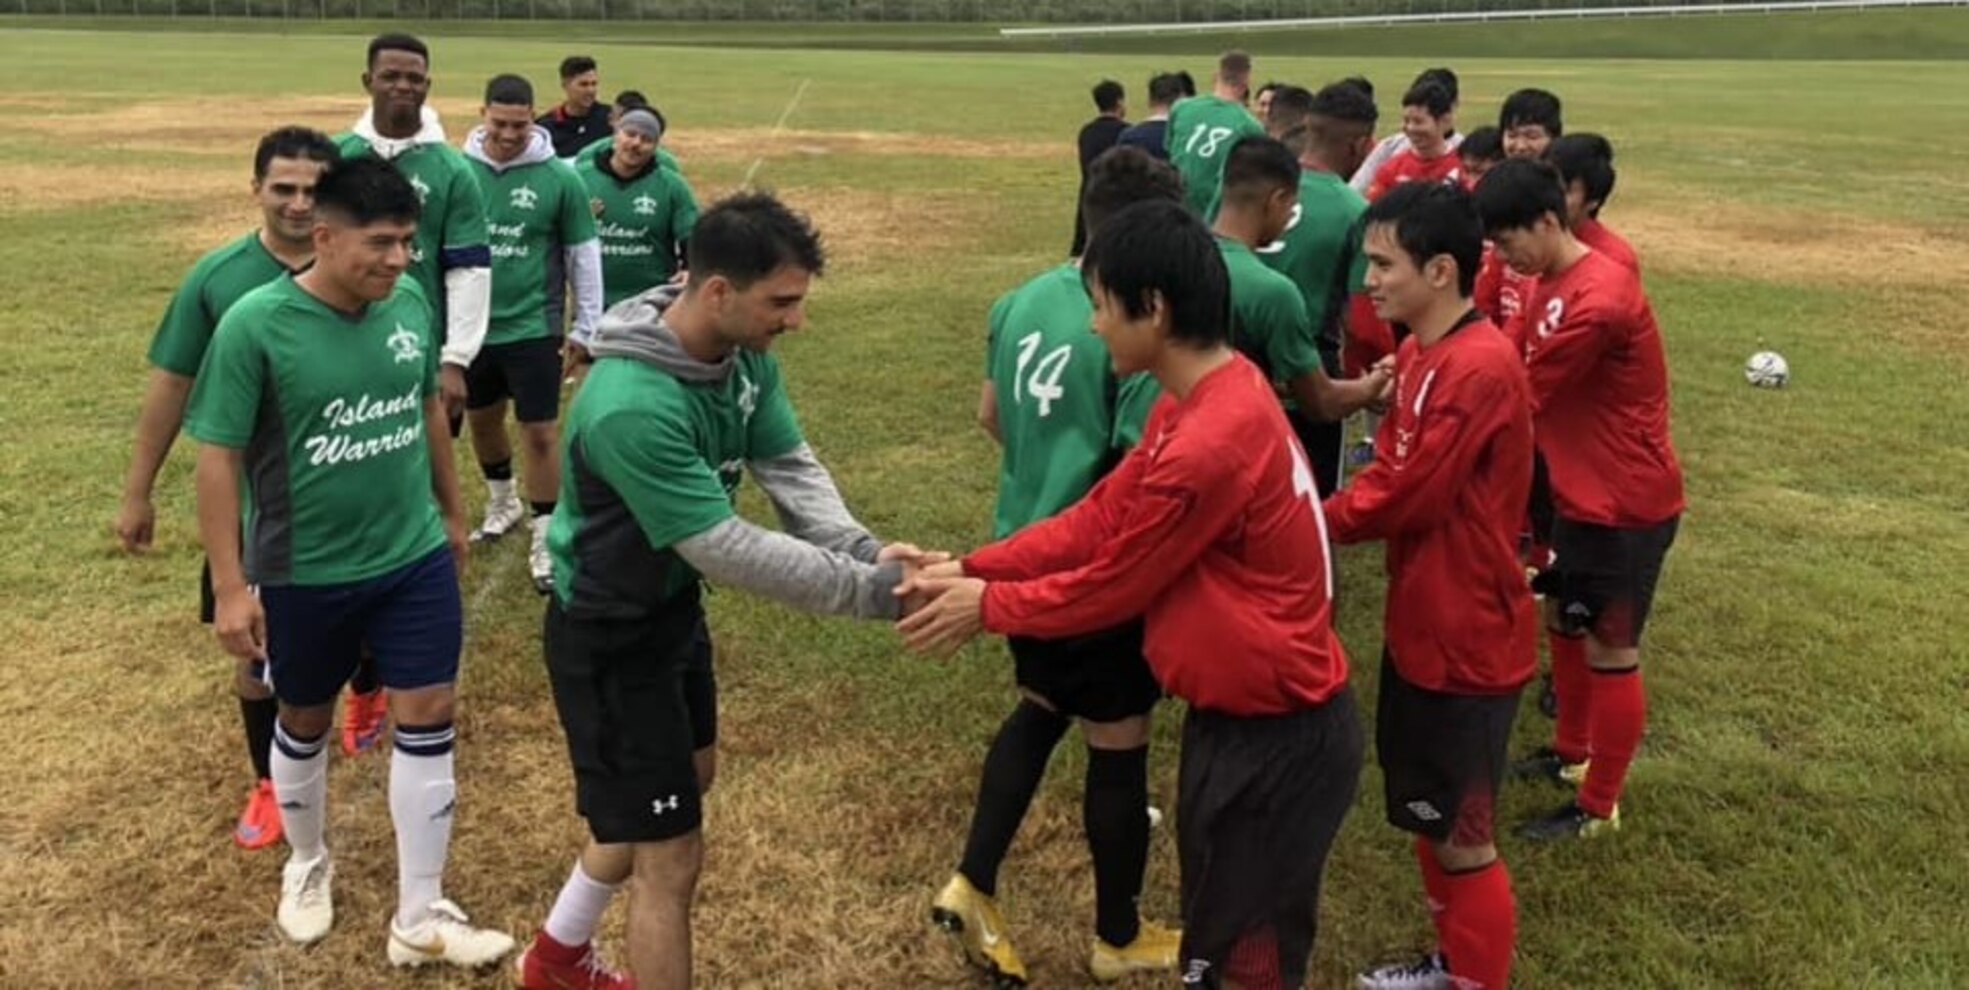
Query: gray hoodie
{"type": "Point", "coordinates": [824, 562]}
{"type": "Point", "coordinates": [583, 261]}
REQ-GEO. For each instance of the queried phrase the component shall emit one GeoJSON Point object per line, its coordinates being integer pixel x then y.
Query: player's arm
{"type": "Point", "coordinates": [222, 416]}
{"type": "Point", "coordinates": [683, 222]}
{"type": "Point", "coordinates": [1560, 355]}
{"type": "Point", "coordinates": [158, 421]}
{"type": "Point", "coordinates": [465, 258]}
{"type": "Point", "coordinates": [1293, 351]}
{"type": "Point", "coordinates": [988, 411]}
{"type": "Point", "coordinates": [1363, 177]}
{"type": "Point", "coordinates": [583, 256]}
{"type": "Point", "coordinates": [1416, 487]}
{"type": "Point", "coordinates": [1068, 539]}
{"type": "Point", "coordinates": [444, 477]}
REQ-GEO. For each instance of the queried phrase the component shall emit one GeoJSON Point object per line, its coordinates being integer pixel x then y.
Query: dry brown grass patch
{"type": "Point", "coordinates": [226, 128]}
{"type": "Point", "coordinates": [38, 188]}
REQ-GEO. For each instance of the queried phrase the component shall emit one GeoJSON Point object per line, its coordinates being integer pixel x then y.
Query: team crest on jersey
{"type": "Point", "coordinates": [405, 345]}
{"type": "Point", "coordinates": [423, 190]}
{"type": "Point", "coordinates": [645, 205]}
{"type": "Point", "coordinates": [524, 197]}
{"type": "Point", "coordinates": [748, 398]}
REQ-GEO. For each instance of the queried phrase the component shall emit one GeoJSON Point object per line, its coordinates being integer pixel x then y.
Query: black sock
{"type": "Point", "coordinates": [258, 715]}
{"type": "Point", "coordinates": [1116, 815]}
{"type": "Point", "coordinates": [1012, 772]}
{"type": "Point", "coordinates": [502, 471]}
{"type": "Point", "coordinates": [542, 508]}
{"type": "Point", "coordinates": [364, 679]}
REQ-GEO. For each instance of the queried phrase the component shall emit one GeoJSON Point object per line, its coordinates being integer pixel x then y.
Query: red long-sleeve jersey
{"type": "Point", "coordinates": [1447, 491]}
{"type": "Point", "coordinates": [1501, 294]}
{"type": "Point", "coordinates": [1210, 530]}
{"type": "Point", "coordinates": [1600, 237]}
{"type": "Point", "coordinates": [1369, 337]}
{"type": "Point", "coordinates": [1599, 387]}
{"type": "Point", "coordinates": [1407, 166]}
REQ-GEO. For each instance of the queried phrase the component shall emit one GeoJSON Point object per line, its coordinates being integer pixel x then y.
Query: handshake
{"type": "Point", "coordinates": [941, 608]}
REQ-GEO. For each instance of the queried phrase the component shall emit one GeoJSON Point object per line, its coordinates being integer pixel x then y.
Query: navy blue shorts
{"type": "Point", "coordinates": [411, 618]}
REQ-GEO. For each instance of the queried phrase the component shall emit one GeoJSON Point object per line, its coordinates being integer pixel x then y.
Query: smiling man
{"type": "Point", "coordinates": [643, 210]}
{"type": "Point", "coordinates": [581, 119]}
{"type": "Point", "coordinates": [1428, 121]}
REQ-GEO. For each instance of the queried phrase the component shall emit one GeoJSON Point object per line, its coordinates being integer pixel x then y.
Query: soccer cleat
{"type": "Point", "coordinates": [1154, 948]}
{"type": "Point", "coordinates": [363, 718]}
{"type": "Point", "coordinates": [307, 904]}
{"type": "Point", "coordinates": [536, 969]}
{"type": "Point", "coordinates": [973, 920]}
{"type": "Point", "coordinates": [539, 561]}
{"type": "Point", "coordinates": [1548, 765]}
{"type": "Point", "coordinates": [259, 825]}
{"type": "Point", "coordinates": [1428, 973]}
{"type": "Point", "coordinates": [1569, 822]}
{"type": "Point", "coordinates": [502, 513]}
{"type": "Point", "coordinates": [446, 935]}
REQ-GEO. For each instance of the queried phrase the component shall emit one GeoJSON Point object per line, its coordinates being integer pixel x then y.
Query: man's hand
{"type": "Point", "coordinates": [911, 554]}
{"type": "Point", "coordinates": [241, 624]}
{"type": "Point", "coordinates": [1381, 379]}
{"type": "Point", "coordinates": [136, 524]}
{"type": "Point", "coordinates": [459, 536]}
{"type": "Point", "coordinates": [451, 388]}
{"type": "Point", "coordinates": [952, 616]}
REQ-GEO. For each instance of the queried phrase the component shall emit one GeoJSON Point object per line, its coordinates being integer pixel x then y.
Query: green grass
{"type": "Point", "coordinates": [1798, 815]}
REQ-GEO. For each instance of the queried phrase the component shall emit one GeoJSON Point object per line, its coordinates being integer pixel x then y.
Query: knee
{"type": "Point", "coordinates": [433, 705]}
{"type": "Point", "coordinates": [540, 438]}
{"type": "Point", "coordinates": [1123, 734]}
{"type": "Point", "coordinates": [1461, 858]}
{"type": "Point", "coordinates": [307, 723]}
{"type": "Point", "coordinates": [666, 872]}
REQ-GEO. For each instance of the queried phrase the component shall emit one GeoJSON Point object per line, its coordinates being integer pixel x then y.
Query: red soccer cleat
{"type": "Point", "coordinates": [549, 965]}
{"type": "Point", "coordinates": [363, 718]}
{"type": "Point", "coordinates": [259, 825]}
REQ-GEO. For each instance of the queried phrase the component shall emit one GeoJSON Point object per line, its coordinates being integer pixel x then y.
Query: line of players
{"type": "Point", "coordinates": [1201, 341]}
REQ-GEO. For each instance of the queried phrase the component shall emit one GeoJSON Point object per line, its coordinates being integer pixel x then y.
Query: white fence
{"type": "Point", "coordinates": [1468, 16]}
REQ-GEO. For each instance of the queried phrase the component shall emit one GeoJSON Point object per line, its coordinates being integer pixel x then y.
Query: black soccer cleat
{"type": "Point", "coordinates": [1569, 822]}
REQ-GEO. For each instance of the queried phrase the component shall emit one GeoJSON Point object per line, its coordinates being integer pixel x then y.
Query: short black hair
{"type": "Point", "coordinates": [1485, 144]}
{"type": "Point", "coordinates": [1270, 84]}
{"type": "Point", "coordinates": [1256, 166]}
{"type": "Point", "coordinates": [1588, 160]}
{"type": "Point", "coordinates": [631, 99]}
{"type": "Point", "coordinates": [1432, 219]}
{"type": "Point", "coordinates": [1430, 96]}
{"type": "Point", "coordinates": [1291, 116]}
{"type": "Point", "coordinates": [293, 142]}
{"type": "Point", "coordinates": [1189, 82]}
{"type": "Point", "coordinates": [749, 235]}
{"type": "Point", "coordinates": [1351, 100]}
{"type": "Point", "coordinates": [1532, 106]}
{"type": "Point", "coordinates": [398, 42]}
{"type": "Point", "coordinates": [1165, 88]}
{"type": "Point", "coordinates": [367, 190]}
{"type": "Point", "coordinates": [1362, 83]}
{"type": "Point", "coordinates": [1159, 247]}
{"type": "Point", "coordinates": [1446, 78]}
{"type": "Point", "coordinates": [1108, 95]}
{"type": "Point", "coordinates": [1516, 193]}
{"type": "Point", "coordinates": [508, 90]}
{"type": "Point", "coordinates": [1122, 176]}
{"type": "Point", "coordinates": [574, 65]}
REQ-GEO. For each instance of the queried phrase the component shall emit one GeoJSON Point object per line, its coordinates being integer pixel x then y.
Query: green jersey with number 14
{"type": "Point", "coordinates": [1202, 131]}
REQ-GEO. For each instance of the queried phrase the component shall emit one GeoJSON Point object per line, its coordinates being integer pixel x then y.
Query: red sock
{"type": "Point", "coordinates": [1620, 713]}
{"type": "Point", "coordinates": [1572, 681]}
{"type": "Point", "coordinates": [1435, 883]}
{"type": "Point", "coordinates": [1253, 962]}
{"type": "Point", "coordinates": [1479, 931]}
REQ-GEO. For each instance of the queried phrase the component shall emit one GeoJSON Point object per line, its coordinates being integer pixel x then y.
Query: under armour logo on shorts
{"type": "Point", "coordinates": [1425, 811]}
{"type": "Point", "coordinates": [659, 807]}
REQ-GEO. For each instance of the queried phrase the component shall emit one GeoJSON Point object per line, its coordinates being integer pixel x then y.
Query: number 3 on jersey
{"type": "Point", "coordinates": [1044, 385]}
{"type": "Point", "coordinates": [1211, 137]}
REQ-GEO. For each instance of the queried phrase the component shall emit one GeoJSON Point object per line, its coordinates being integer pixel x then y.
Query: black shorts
{"type": "Point", "coordinates": [1324, 443]}
{"type": "Point", "coordinates": [1259, 802]}
{"type": "Point", "coordinates": [1101, 677]}
{"type": "Point", "coordinates": [1606, 578]}
{"type": "Point", "coordinates": [637, 699]}
{"type": "Point", "coordinates": [1540, 513]}
{"type": "Point", "coordinates": [1442, 758]}
{"type": "Point", "coordinates": [525, 371]}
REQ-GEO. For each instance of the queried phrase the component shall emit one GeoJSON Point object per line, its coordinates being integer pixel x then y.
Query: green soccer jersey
{"type": "Point", "coordinates": [649, 459]}
{"type": "Point", "coordinates": [329, 409]}
{"type": "Point", "coordinates": [1202, 131]}
{"type": "Point", "coordinates": [1268, 316]}
{"type": "Point", "coordinates": [1058, 403]}
{"type": "Point", "coordinates": [215, 283]}
{"type": "Point", "coordinates": [606, 146]}
{"type": "Point", "coordinates": [532, 213]}
{"type": "Point", "coordinates": [641, 222]}
{"type": "Point", "coordinates": [1321, 253]}
{"type": "Point", "coordinates": [452, 232]}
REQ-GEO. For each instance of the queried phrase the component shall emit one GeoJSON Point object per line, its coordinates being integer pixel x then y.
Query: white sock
{"type": "Point", "coordinates": [501, 491]}
{"type": "Point", "coordinates": [578, 911]}
{"type": "Point", "coordinates": [300, 784]}
{"type": "Point", "coordinates": [422, 799]}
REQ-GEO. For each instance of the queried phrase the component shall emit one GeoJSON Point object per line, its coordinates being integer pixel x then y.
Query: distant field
{"type": "Point", "coordinates": [1798, 816]}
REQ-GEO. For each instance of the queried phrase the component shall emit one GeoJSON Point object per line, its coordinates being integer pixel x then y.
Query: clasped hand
{"type": "Point", "coordinates": [942, 609]}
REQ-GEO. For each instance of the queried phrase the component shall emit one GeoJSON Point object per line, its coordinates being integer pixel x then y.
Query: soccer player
{"type": "Point", "coordinates": [1203, 129]}
{"type": "Point", "coordinates": [1585, 164]}
{"type": "Point", "coordinates": [319, 391]}
{"type": "Point", "coordinates": [286, 166]}
{"type": "Point", "coordinates": [1151, 134]}
{"type": "Point", "coordinates": [1269, 321]}
{"type": "Point", "coordinates": [683, 397]}
{"type": "Point", "coordinates": [1098, 135]}
{"type": "Point", "coordinates": [1052, 400]}
{"type": "Point", "coordinates": [1393, 144]}
{"type": "Point", "coordinates": [1320, 250]}
{"type": "Point", "coordinates": [1599, 386]}
{"type": "Point", "coordinates": [1447, 492]}
{"type": "Point", "coordinates": [1531, 119]}
{"type": "Point", "coordinates": [1262, 102]}
{"type": "Point", "coordinates": [625, 101]}
{"type": "Point", "coordinates": [1481, 150]}
{"type": "Point", "coordinates": [1211, 531]}
{"type": "Point", "coordinates": [581, 119]}
{"type": "Point", "coordinates": [644, 212]}
{"type": "Point", "coordinates": [1428, 120]}
{"type": "Point", "coordinates": [543, 245]}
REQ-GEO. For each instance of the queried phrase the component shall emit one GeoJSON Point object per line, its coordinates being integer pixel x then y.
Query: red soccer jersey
{"type": "Point", "coordinates": [1447, 491]}
{"type": "Point", "coordinates": [1599, 389]}
{"type": "Point", "coordinates": [1501, 294]}
{"type": "Point", "coordinates": [1411, 167]}
{"type": "Point", "coordinates": [1369, 337]}
{"type": "Point", "coordinates": [1601, 238]}
{"type": "Point", "coordinates": [1210, 530]}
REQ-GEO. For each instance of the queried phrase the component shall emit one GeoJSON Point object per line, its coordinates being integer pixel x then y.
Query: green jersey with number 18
{"type": "Point", "coordinates": [1062, 417]}
{"type": "Point", "coordinates": [1202, 131]}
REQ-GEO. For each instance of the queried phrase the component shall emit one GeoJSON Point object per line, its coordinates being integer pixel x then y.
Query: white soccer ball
{"type": "Point", "coordinates": [1767, 369]}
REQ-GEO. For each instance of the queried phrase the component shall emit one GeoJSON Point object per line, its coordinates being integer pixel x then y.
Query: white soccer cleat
{"type": "Point", "coordinates": [502, 513]}
{"type": "Point", "coordinates": [446, 936]}
{"type": "Point", "coordinates": [539, 561]}
{"type": "Point", "coordinates": [1427, 973]}
{"type": "Point", "coordinates": [307, 908]}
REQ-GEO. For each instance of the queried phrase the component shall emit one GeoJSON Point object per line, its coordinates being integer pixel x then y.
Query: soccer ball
{"type": "Point", "coordinates": [1767, 369]}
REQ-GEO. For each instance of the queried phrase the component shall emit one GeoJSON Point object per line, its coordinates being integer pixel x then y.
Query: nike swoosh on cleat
{"type": "Point", "coordinates": [433, 948]}
{"type": "Point", "coordinates": [985, 934]}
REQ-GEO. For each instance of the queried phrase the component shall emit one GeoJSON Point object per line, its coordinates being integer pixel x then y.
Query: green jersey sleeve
{"type": "Point", "coordinates": [994, 327]}
{"type": "Point", "coordinates": [577, 219]}
{"type": "Point", "coordinates": [186, 329]}
{"type": "Point", "coordinates": [1290, 344]}
{"type": "Point", "coordinates": [464, 219]}
{"type": "Point", "coordinates": [773, 429]}
{"type": "Point", "coordinates": [651, 463]}
{"type": "Point", "coordinates": [225, 403]}
{"type": "Point", "coordinates": [683, 216]}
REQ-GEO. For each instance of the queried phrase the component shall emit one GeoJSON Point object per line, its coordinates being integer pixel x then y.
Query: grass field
{"type": "Point", "coordinates": [1799, 815]}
